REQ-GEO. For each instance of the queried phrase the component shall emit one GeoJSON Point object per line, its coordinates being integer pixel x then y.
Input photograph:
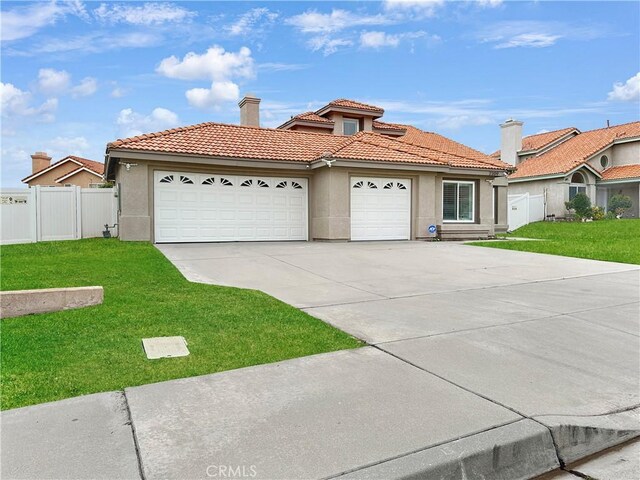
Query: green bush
{"type": "Point", "coordinates": [581, 205]}
{"type": "Point", "coordinates": [618, 204]}
{"type": "Point", "coordinates": [597, 213]}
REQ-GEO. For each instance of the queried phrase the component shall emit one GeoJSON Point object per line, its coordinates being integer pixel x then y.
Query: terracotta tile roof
{"type": "Point", "coordinates": [73, 172]}
{"type": "Point", "coordinates": [540, 140]}
{"type": "Point", "coordinates": [572, 153]}
{"type": "Point", "coordinates": [97, 167]}
{"type": "Point", "coordinates": [92, 165]}
{"type": "Point", "coordinates": [446, 146]}
{"type": "Point", "coordinates": [234, 141]}
{"type": "Point", "coordinates": [311, 117]}
{"type": "Point", "coordinates": [621, 172]}
{"type": "Point", "coordinates": [346, 103]}
{"type": "Point", "coordinates": [377, 124]}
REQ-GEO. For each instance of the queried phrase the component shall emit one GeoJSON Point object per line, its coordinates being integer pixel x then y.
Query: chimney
{"type": "Point", "coordinates": [250, 111]}
{"type": "Point", "coordinates": [510, 141]}
{"type": "Point", "coordinates": [39, 161]}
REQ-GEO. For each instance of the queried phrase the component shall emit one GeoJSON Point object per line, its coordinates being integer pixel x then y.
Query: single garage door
{"type": "Point", "coordinates": [380, 208]}
{"type": "Point", "coordinates": [198, 207]}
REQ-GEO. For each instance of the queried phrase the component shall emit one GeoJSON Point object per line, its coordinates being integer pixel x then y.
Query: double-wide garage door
{"type": "Point", "coordinates": [193, 207]}
{"type": "Point", "coordinates": [380, 208]}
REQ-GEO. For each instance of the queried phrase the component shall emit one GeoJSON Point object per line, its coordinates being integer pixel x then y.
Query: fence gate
{"type": "Point", "coordinates": [524, 209]}
{"type": "Point", "coordinates": [55, 213]}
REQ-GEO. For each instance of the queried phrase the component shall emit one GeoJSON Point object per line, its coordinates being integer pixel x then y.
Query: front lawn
{"type": "Point", "coordinates": [610, 240]}
{"type": "Point", "coordinates": [58, 355]}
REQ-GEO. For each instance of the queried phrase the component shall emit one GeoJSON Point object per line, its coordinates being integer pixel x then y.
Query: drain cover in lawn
{"type": "Point", "coordinates": [165, 347]}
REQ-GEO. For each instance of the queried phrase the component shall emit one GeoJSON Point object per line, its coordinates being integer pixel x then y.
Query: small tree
{"type": "Point", "coordinates": [580, 204]}
{"type": "Point", "coordinates": [618, 204]}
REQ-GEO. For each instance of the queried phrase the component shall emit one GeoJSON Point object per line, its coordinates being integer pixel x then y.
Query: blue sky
{"type": "Point", "coordinates": [76, 75]}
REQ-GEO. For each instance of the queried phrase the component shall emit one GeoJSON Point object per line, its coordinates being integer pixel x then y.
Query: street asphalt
{"type": "Point", "coordinates": [481, 363]}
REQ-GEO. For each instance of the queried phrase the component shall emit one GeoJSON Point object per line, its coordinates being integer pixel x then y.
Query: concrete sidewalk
{"type": "Point", "coordinates": [482, 364]}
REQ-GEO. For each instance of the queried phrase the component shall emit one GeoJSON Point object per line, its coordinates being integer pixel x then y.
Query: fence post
{"type": "Point", "coordinates": [77, 190]}
{"type": "Point", "coordinates": [33, 215]}
{"type": "Point", "coordinates": [37, 199]}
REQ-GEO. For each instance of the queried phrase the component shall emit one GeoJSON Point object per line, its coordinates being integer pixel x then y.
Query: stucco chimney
{"type": "Point", "coordinates": [39, 161]}
{"type": "Point", "coordinates": [510, 141]}
{"type": "Point", "coordinates": [250, 110]}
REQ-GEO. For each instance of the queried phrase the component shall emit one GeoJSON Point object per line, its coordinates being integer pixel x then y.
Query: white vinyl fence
{"type": "Point", "coordinates": [524, 209]}
{"type": "Point", "coordinates": [56, 213]}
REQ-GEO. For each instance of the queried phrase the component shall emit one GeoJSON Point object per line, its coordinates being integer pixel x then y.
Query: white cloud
{"type": "Point", "coordinates": [68, 145]}
{"type": "Point", "coordinates": [378, 40]}
{"type": "Point", "coordinates": [215, 64]}
{"type": "Point", "coordinates": [53, 82]}
{"type": "Point", "coordinates": [88, 86]}
{"type": "Point", "coordinates": [416, 8]}
{"type": "Point", "coordinates": [488, 3]}
{"type": "Point", "coordinates": [132, 123]}
{"type": "Point", "coordinates": [459, 121]}
{"type": "Point", "coordinates": [17, 103]}
{"type": "Point", "coordinates": [154, 13]}
{"type": "Point", "coordinates": [118, 92]}
{"type": "Point", "coordinates": [247, 23]}
{"type": "Point", "coordinates": [628, 91]}
{"type": "Point", "coordinates": [532, 40]}
{"type": "Point", "coordinates": [536, 34]}
{"type": "Point", "coordinates": [313, 22]}
{"type": "Point", "coordinates": [58, 82]}
{"type": "Point", "coordinates": [22, 22]}
{"type": "Point", "coordinates": [208, 98]}
{"type": "Point", "coordinates": [327, 44]}
{"type": "Point", "coordinates": [281, 67]}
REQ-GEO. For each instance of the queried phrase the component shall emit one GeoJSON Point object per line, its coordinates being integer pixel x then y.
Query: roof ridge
{"type": "Point", "coordinates": [612, 126]}
{"type": "Point", "coordinates": [121, 141]}
{"type": "Point", "coordinates": [394, 140]}
{"type": "Point", "coordinates": [551, 131]}
{"type": "Point", "coordinates": [401, 139]}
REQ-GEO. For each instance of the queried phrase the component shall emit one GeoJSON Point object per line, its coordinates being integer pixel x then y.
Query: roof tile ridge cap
{"type": "Point", "coordinates": [397, 149]}
{"type": "Point", "coordinates": [567, 129]}
{"type": "Point", "coordinates": [450, 153]}
{"type": "Point", "coordinates": [611, 127]}
{"type": "Point", "coordinates": [368, 105]}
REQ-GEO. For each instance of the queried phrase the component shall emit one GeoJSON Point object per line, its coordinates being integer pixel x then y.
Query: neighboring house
{"type": "Point", "coordinates": [562, 163]}
{"type": "Point", "coordinates": [70, 170]}
{"type": "Point", "coordinates": [335, 174]}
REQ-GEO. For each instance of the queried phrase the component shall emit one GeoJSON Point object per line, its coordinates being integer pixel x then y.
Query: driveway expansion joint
{"type": "Point", "coordinates": [133, 434]}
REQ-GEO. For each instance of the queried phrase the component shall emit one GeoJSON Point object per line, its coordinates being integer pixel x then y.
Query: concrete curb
{"type": "Point", "coordinates": [578, 437]}
{"type": "Point", "coordinates": [16, 303]}
{"type": "Point", "coordinates": [520, 450]}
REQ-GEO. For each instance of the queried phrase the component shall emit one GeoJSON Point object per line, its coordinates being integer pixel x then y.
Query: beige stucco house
{"type": "Point", "coordinates": [70, 170]}
{"type": "Point", "coordinates": [562, 163]}
{"type": "Point", "coordinates": [336, 174]}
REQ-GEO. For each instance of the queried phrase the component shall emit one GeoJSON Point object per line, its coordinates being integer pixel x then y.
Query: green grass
{"type": "Point", "coordinates": [64, 354]}
{"type": "Point", "coordinates": [609, 240]}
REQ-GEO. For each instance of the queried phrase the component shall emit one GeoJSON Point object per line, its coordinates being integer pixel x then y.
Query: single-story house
{"type": "Point", "coordinates": [562, 163]}
{"type": "Point", "coordinates": [339, 173]}
{"type": "Point", "coordinates": [68, 171]}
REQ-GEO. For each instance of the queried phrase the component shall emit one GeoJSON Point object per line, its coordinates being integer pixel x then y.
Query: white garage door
{"type": "Point", "coordinates": [380, 208]}
{"type": "Point", "coordinates": [192, 207]}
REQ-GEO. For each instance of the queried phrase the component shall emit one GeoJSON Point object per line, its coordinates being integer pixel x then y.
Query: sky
{"type": "Point", "coordinates": [76, 75]}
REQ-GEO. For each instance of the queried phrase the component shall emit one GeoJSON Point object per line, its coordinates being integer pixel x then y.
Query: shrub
{"type": "Point", "coordinates": [618, 204]}
{"type": "Point", "coordinates": [597, 213]}
{"type": "Point", "coordinates": [581, 205]}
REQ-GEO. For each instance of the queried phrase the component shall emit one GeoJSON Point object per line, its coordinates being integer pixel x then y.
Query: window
{"type": "Point", "coordinates": [577, 185]}
{"type": "Point", "coordinates": [350, 126]}
{"type": "Point", "coordinates": [458, 201]}
{"type": "Point", "coordinates": [604, 161]}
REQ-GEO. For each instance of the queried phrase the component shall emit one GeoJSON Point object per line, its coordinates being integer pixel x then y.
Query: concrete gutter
{"type": "Point", "coordinates": [15, 303]}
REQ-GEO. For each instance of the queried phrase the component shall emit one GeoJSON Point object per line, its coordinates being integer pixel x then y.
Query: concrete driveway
{"type": "Point", "coordinates": [481, 363]}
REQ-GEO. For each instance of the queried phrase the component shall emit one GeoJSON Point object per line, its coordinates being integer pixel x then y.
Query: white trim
{"type": "Point", "coordinates": [49, 168]}
{"type": "Point", "coordinates": [614, 181]}
{"type": "Point", "coordinates": [78, 170]}
{"type": "Point", "coordinates": [473, 203]}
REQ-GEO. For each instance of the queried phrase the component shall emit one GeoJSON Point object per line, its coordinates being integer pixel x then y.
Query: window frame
{"type": "Point", "coordinates": [473, 200]}
{"type": "Point", "coordinates": [581, 187]}
{"type": "Point", "coordinates": [350, 120]}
